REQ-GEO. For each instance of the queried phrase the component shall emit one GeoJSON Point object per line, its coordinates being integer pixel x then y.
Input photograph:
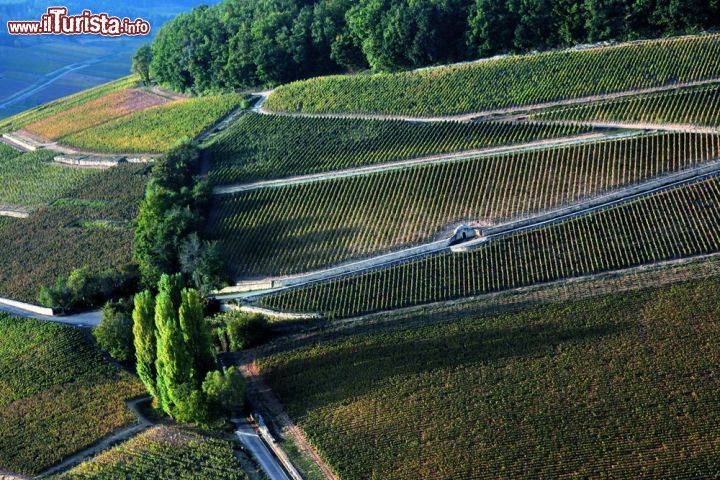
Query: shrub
{"type": "Point", "coordinates": [115, 332]}
{"type": "Point", "coordinates": [225, 391]}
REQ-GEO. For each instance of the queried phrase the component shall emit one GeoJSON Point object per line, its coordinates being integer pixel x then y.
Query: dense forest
{"type": "Point", "coordinates": [243, 43]}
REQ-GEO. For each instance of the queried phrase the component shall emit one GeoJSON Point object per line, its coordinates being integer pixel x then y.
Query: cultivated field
{"type": "Point", "coordinates": [31, 179]}
{"type": "Point", "coordinates": [60, 237]}
{"type": "Point", "coordinates": [163, 453]}
{"type": "Point", "coordinates": [671, 224]}
{"type": "Point", "coordinates": [305, 227]}
{"type": "Point", "coordinates": [258, 147]}
{"type": "Point", "coordinates": [94, 112]}
{"type": "Point", "coordinates": [157, 129]}
{"type": "Point", "coordinates": [622, 386]}
{"type": "Point", "coordinates": [58, 395]}
{"type": "Point", "coordinates": [692, 106]}
{"type": "Point", "coordinates": [36, 114]}
{"type": "Point", "coordinates": [508, 82]}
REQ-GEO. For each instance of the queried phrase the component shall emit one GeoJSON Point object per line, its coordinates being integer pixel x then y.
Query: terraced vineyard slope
{"type": "Point", "coordinates": [676, 223]}
{"type": "Point", "coordinates": [157, 129]}
{"type": "Point", "coordinates": [305, 227]}
{"type": "Point", "coordinates": [89, 226]}
{"type": "Point", "coordinates": [693, 107]}
{"type": "Point", "coordinates": [621, 386]}
{"type": "Point", "coordinates": [259, 147]}
{"type": "Point", "coordinates": [162, 453]}
{"type": "Point", "coordinates": [58, 396]}
{"type": "Point", "coordinates": [508, 82]}
{"type": "Point", "coordinates": [30, 180]}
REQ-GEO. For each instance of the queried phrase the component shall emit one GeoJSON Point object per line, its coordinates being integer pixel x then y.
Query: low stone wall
{"type": "Point", "coordinates": [229, 307]}
{"type": "Point", "coordinates": [27, 307]}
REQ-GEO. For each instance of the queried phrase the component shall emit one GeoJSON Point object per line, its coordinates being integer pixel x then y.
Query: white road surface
{"type": "Point", "coordinates": [86, 319]}
{"type": "Point", "coordinates": [260, 451]}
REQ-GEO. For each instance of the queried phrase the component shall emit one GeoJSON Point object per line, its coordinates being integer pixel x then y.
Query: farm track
{"type": "Point", "coordinates": [263, 399]}
{"type": "Point", "coordinates": [422, 161]}
{"type": "Point", "coordinates": [495, 114]}
{"type": "Point", "coordinates": [107, 442]}
{"type": "Point", "coordinates": [85, 319]}
{"type": "Point", "coordinates": [539, 220]}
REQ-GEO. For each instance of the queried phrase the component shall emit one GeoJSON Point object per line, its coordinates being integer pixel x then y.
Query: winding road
{"type": "Point", "coordinates": [252, 441]}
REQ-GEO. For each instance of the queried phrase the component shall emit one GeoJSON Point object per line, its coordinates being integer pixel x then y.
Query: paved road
{"type": "Point", "coordinates": [260, 451]}
{"type": "Point", "coordinates": [87, 319]}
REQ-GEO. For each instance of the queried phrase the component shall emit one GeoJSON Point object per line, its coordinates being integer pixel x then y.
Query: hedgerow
{"type": "Point", "coordinates": [508, 82]}
{"type": "Point", "coordinates": [269, 146]}
{"type": "Point", "coordinates": [621, 386]}
{"type": "Point", "coordinates": [299, 228]}
{"type": "Point", "coordinates": [58, 396]}
{"type": "Point", "coordinates": [156, 129]}
{"type": "Point", "coordinates": [671, 224]}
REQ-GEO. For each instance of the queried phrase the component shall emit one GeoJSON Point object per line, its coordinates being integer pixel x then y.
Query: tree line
{"type": "Point", "coordinates": [245, 43]}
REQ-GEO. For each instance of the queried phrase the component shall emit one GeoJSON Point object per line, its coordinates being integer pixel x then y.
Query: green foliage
{"type": "Point", "coordinates": [82, 290]}
{"type": "Point", "coordinates": [260, 147]}
{"type": "Point", "coordinates": [161, 453]}
{"type": "Point", "coordinates": [144, 340]}
{"type": "Point", "coordinates": [245, 331]}
{"type": "Point", "coordinates": [196, 333]}
{"type": "Point", "coordinates": [670, 224]}
{"type": "Point", "coordinates": [141, 63]}
{"type": "Point", "coordinates": [115, 332]}
{"type": "Point", "coordinates": [537, 393]}
{"type": "Point", "coordinates": [225, 391]}
{"type": "Point", "coordinates": [306, 227]}
{"type": "Point", "coordinates": [59, 395]}
{"type": "Point", "coordinates": [508, 82]}
{"type": "Point", "coordinates": [202, 262]}
{"type": "Point", "coordinates": [157, 129]}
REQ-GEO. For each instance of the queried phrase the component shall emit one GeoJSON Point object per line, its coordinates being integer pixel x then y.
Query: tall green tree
{"type": "Point", "coordinates": [196, 333]}
{"type": "Point", "coordinates": [144, 339]}
{"type": "Point", "coordinates": [141, 63]}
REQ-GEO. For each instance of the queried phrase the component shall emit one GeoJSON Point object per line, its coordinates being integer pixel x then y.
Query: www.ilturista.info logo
{"type": "Point", "coordinates": [57, 22]}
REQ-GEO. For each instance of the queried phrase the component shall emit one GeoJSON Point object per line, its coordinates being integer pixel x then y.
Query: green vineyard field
{"type": "Point", "coordinates": [58, 394]}
{"type": "Point", "coordinates": [622, 386]}
{"type": "Point", "coordinates": [31, 179]}
{"type": "Point", "coordinates": [693, 106]}
{"type": "Point", "coordinates": [675, 223]}
{"type": "Point", "coordinates": [259, 147]}
{"type": "Point", "coordinates": [163, 453]}
{"type": "Point", "coordinates": [508, 82]}
{"type": "Point", "coordinates": [52, 241]}
{"type": "Point", "coordinates": [300, 228]}
{"type": "Point", "coordinates": [156, 129]}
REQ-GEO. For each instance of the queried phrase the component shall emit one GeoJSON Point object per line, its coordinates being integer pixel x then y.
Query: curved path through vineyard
{"type": "Point", "coordinates": [494, 114]}
{"type": "Point", "coordinates": [427, 160]}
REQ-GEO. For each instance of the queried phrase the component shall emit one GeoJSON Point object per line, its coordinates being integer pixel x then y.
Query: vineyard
{"type": "Point", "coordinates": [675, 223]}
{"type": "Point", "coordinates": [58, 396]}
{"type": "Point", "coordinates": [305, 227]}
{"type": "Point", "coordinates": [622, 386]}
{"type": "Point", "coordinates": [163, 453]}
{"type": "Point", "coordinates": [37, 114]}
{"type": "Point", "coordinates": [156, 129]}
{"type": "Point", "coordinates": [693, 106]}
{"type": "Point", "coordinates": [94, 112]}
{"type": "Point", "coordinates": [52, 241]}
{"type": "Point", "coordinates": [31, 179]}
{"type": "Point", "coordinates": [260, 147]}
{"type": "Point", "coordinates": [509, 81]}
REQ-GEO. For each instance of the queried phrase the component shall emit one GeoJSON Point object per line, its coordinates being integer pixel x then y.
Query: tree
{"type": "Point", "coordinates": [245, 331]}
{"type": "Point", "coordinates": [491, 27]}
{"type": "Point", "coordinates": [115, 332]}
{"type": "Point", "coordinates": [225, 391]}
{"type": "Point", "coordinates": [196, 333]}
{"type": "Point", "coordinates": [141, 63]}
{"type": "Point", "coordinates": [202, 262]}
{"type": "Point", "coordinates": [144, 340]}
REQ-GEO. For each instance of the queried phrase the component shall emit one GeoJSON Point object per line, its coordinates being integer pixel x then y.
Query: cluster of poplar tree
{"type": "Point", "coordinates": [243, 43]}
{"type": "Point", "coordinates": [175, 356]}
